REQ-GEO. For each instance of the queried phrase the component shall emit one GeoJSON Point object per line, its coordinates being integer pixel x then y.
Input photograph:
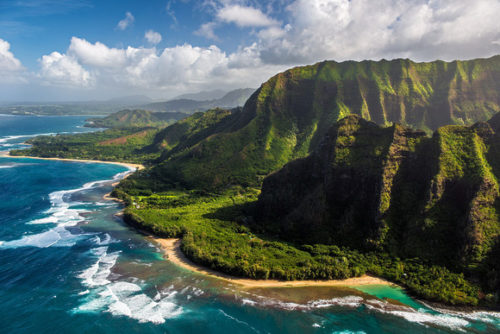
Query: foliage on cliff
{"type": "Point", "coordinates": [216, 231]}
{"type": "Point", "coordinates": [124, 144]}
{"type": "Point", "coordinates": [135, 118]}
{"type": "Point", "coordinates": [288, 115]}
{"type": "Point", "coordinates": [394, 190]}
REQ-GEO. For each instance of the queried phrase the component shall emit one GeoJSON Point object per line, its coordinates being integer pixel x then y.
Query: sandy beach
{"type": "Point", "coordinates": [173, 253]}
{"type": "Point", "coordinates": [5, 154]}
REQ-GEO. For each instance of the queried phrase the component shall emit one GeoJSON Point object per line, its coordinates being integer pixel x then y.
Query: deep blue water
{"type": "Point", "coordinates": [68, 265]}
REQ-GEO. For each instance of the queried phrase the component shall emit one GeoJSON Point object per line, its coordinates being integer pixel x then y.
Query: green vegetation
{"type": "Point", "coordinates": [135, 118]}
{"type": "Point", "coordinates": [419, 211]}
{"type": "Point", "coordinates": [135, 136]}
{"type": "Point", "coordinates": [287, 117]}
{"type": "Point", "coordinates": [125, 145]}
{"type": "Point", "coordinates": [192, 129]}
{"type": "Point", "coordinates": [217, 232]}
{"type": "Point", "coordinates": [394, 190]}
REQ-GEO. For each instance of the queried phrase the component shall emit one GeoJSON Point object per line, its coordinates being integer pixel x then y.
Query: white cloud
{"type": "Point", "coordinates": [364, 29]}
{"type": "Point", "coordinates": [244, 16]}
{"type": "Point", "coordinates": [10, 66]}
{"type": "Point", "coordinates": [152, 37]}
{"type": "Point", "coordinates": [305, 32]}
{"type": "Point", "coordinates": [168, 71]}
{"type": "Point", "coordinates": [60, 69]}
{"type": "Point", "coordinates": [126, 22]}
{"type": "Point", "coordinates": [230, 13]}
{"type": "Point", "coordinates": [207, 30]}
{"type": "Point", "coordinates": [97, 55]}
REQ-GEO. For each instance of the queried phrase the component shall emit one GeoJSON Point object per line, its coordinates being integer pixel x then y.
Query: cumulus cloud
{"type": "Point", "coordinates": [126, 22]}
{"type": "Point", "coordinates": [241, 16]}
{"type": "Point", "coordinates": [152, 37]}
{"type": "Point", "coordinates": [303, 32]}
{"type": "Point", "coordinates": [207, 30]}
{"type": "Point", "coordinates": [97, 55]}
{"type": "Point", "coordinates": [364, 29]}
{"type": "Point", "coordinates": [10, 66]}
{"type": "Point", "coordinates": [174, 70]}
{"type": "Point", "coordinates": [244, 16]}
{"type": "Point", "coordinates": [60, 69]}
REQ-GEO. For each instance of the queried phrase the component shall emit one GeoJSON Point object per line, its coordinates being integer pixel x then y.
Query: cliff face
{"type": "Point", "coordinates": [395, 189]}
{"type": "Point", "coordinates": [288, 115]}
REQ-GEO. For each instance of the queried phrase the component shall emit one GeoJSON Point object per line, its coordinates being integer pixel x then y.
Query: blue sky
{"type": "Point", "coordinates": [89, 49]}
{"type": "Point", "coordinates": [38, 27]}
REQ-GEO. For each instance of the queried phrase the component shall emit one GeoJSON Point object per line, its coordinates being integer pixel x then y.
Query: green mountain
{"type": "Point", "coordinates": [289, 114]}
{"type": "Point", "coordinates": [135, 118]}
{"type": "Point", "coordinates": [190, 130]}
{"type": "Point", "coordinates": [397, 190]}
{"type": "Point", "coordinates": [393, 202]}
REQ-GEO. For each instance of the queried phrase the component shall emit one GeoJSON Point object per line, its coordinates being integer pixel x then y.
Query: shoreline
{"type": "Point", "coordinates": [5, 154]}
{"type": "Point", "coordinates": [173, 253]}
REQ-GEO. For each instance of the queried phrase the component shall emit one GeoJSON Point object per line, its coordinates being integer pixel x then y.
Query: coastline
{"type": "Point", "coordinates": [5, 154]}
{"type": "Point", "coordinates": [173, 253]}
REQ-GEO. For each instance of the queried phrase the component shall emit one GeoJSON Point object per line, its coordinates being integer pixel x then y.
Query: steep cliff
{"type": "Point", "coordinates": [289, 114]}
{"type": "Point", "coordinates": [393, 188]}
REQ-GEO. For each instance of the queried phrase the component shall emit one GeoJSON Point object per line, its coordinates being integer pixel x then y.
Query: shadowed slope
{"type": "Point", "coordinates": [289, 114]}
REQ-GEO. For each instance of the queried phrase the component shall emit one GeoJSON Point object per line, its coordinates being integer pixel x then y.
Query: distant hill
{"type": "Point", "coordinates": [206, 95]}
{"type": "Point", "coordinates": [131, 99]}
{"type": "Point", "coordinates": [232, 99]}
{"type": "Point", "coordinates": [135, 118]}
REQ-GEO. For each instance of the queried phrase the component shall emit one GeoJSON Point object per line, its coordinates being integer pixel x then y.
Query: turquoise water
{"type": "Point", "coordinates": [388, 292]}
{"type": "Point", "coordinates": [69, 265]}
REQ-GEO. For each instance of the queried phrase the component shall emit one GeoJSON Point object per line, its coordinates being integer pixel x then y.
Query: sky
{"type": "Point", "coordinates": [62, 50]}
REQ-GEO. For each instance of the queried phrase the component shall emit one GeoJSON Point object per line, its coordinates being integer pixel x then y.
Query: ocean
{"type": "Point", "coordinates": [68, 264]}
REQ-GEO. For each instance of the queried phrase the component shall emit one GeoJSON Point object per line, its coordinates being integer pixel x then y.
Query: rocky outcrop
{"type": "Point", "coordinates": [392, 189]}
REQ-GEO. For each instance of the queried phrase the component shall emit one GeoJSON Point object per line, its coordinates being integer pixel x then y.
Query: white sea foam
{"type": "Point", "coordinates": [128, 299]}
{"type": "Point", "coordinates": [15, 164]}
{"type": "Point", "coordinates": [122, 298]}
{"type": "Point", "coordinates": [443, 320]}
{"type": "Point", "coordinates": [8, 138]}
{"type": "Point", "coordinates": [456, 321]}
{"type": "Point", "coordinates": [58, 236]}
{"type": "Point", "coordinates": [97, 274]}
{"type": "Point", "coordinates": [250, 302]}
{"type": "Point", "coordinates": [348, 301]}
{"type": "Point", "coordinates": [241, 322]}
{"type": "Point", "coordinates": [103, 240]}
{"type": "Point", "coordinates": [61, 213]}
